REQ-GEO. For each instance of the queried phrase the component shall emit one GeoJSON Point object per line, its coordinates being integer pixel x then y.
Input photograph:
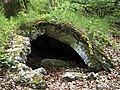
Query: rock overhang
{"type": "Point", "coordinates": [47, 52]}
{"type": "Point", "coordinates": [92, 56]}
{"type": "Point", "coordinates": [75, 37]}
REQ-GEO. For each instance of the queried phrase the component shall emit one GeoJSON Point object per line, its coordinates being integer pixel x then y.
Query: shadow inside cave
{"type": "Point", "coordinates": [45, 47]}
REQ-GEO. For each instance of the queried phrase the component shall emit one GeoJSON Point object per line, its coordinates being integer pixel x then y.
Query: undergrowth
{"type": "Point", "coordinates": [96, 27]}
{"type": "Point", "coordinates": [6, 28]}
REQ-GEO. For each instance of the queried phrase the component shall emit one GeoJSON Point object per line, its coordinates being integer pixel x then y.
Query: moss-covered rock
{"type": "Point", "coordinates": [20, 48]}
{"type": "Point", "coordinates": [93, 57]}
{"type": "Point", "coordinates": [57, 63]}
{"type": "Point", "coordinates": [33, 78]}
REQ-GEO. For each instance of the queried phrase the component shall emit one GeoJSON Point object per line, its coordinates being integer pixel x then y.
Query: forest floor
{"type": "Point", "coordinates": [104, 81]}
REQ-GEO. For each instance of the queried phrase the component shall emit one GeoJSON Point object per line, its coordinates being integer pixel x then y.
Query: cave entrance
{"type": "Point", "coordinates": [45, 47]}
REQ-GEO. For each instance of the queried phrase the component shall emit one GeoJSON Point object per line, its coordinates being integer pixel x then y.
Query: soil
{"type": "Point", "coordinates": [104, 81]}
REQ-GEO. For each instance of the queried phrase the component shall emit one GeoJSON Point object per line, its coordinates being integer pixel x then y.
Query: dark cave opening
{"type": "Point", "coordinates": [45, 47]}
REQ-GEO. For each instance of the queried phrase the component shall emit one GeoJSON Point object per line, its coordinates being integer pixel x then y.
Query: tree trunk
{"type": "Point", "coordinates": [13, 7]}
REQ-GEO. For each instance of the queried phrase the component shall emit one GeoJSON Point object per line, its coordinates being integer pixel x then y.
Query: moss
{"type": "Point", "coordinates": [37, 79]}
{"type": "Point", "coordinates": [86, 39]}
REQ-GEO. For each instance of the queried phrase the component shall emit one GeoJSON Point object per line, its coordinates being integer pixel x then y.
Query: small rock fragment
{"type": "Point", "coordinates": [41, 70]}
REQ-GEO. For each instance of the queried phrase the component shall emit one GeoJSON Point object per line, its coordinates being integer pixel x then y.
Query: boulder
{"type": "Point", "coordinates": [57, 63]}
{"type": "Point", "coordinates": [32, 78]}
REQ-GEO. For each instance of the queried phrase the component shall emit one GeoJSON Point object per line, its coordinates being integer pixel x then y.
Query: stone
{"type": "Point", "coordinates": [34, 78]}
{"type": "Point", "coordinates": [18, 58]}
{"type": "Point", "coordinates": [18, 52]}
{"type": "Point", "coordinates": [23, 67]}
{"type": "Point", "coordinates": [93, 75]}
{"type": "Point", "coordinates": [20, 48]}
{"type": "Point", "coordinates": [70, 76]}
{"type": "Point", "coordinates": [40, 70]}
{"type": "Point", "coordinates": [102, 87]}
{"type": "Point", "coordinates": [58, 63]}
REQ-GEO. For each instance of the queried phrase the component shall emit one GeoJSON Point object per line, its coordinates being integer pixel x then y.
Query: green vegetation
{"type": "Point", "coordinates": [5, 29]}
{"type": "Point", "coordinates": [96, 27]}
{"type": "Point", "coordinates": [4, 62]}
{"type": "Point", "coordinates": [95, 17]}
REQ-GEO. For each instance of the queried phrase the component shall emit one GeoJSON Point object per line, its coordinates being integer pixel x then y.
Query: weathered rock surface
{"type": "Point", "coordinates": [78, 74]}
{"type": "Point", "coordinates": [76, 38]}
{"type": "Point", "coordinates": [20, 48]}
{"type": "Point", "coordinates": [71, 76]}
{"type": "Point", "coordinates": [33, 78]}
{"type": "Point", "coordinates": [57, 63]}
